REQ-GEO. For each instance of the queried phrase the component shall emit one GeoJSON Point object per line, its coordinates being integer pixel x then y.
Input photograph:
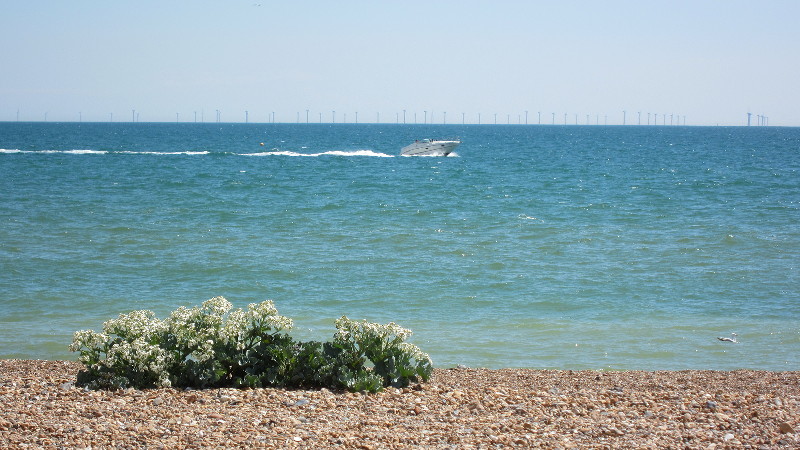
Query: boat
{"type": "Point", "coordinates": [430, 147]}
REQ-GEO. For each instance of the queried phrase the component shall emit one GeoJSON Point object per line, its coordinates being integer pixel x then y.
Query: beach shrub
{"type": "Point", "coordinates": [395, 361]}
{"type": "Point", "coordinates": [215, 346]}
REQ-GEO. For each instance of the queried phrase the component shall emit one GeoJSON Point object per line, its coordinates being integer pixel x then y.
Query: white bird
{"type": "Point", "coordinates": [729, 339]}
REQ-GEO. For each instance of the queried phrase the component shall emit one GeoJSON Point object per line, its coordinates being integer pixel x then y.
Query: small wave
{"type": "Point", "coordinates": [527, 217]}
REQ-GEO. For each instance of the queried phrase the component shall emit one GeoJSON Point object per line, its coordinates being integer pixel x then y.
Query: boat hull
{"type": "Point", "coordinates": [429, 148]}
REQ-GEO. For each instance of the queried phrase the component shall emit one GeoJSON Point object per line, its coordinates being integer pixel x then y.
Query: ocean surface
{"type": "Point", "coordinates": [568, 247]}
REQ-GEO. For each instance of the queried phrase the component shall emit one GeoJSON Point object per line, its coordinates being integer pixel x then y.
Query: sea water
{"type": "Point", "coordinates": [570, 247]}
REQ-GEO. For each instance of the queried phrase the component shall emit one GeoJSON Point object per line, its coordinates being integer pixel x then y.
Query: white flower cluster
{"type": "Point", "coordinates": [143, 358]}
{"type": "Point", "coordinates": [194, 330]}
{"type": "Point", "coordinates": [135, 324]}
{"type": "Point", "coordinates": [366, 334]}
{"type": "Point", "coordinates": [140, 342]}
{"type": "Point", "coordinates": [89, 339]}
{"type": "Point", "coordinates": [259, 317]}
{"type": "Point", "coordinates": [416, 354]}
{"type": "Point", "coordinates": [364, 331]}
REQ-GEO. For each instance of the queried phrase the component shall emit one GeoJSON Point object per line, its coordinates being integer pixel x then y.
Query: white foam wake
{"type": "Point", "coordinates": [65, 152]}
{"type": "Point", "coordinates": [274, 152]}
{"type": "Point", "coordinates": [332, 153]}
{"type": "Point", "coordinates": [166, 153]}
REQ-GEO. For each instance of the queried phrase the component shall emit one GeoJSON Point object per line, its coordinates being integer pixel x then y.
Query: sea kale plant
{"type": "Point", "coordinates": [215, 346]}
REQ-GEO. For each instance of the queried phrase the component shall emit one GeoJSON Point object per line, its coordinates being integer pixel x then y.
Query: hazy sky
{"type": "Point", "coordinates": [710, 61]}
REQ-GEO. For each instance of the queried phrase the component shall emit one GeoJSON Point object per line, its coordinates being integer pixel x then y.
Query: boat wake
{"type": "Point", "coordinates": [332, 153]}
{"type": "Point", "coordinates": [274, 152]}
{"type": "Point", "coordinates": [65, 152]}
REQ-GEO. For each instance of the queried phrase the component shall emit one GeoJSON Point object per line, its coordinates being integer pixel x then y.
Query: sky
{"type": "Point", "coordinates": [699, 62]}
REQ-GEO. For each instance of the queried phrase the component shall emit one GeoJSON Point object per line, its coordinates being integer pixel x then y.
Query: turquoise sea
{"type": "Point", "coordinates": [569, 247]}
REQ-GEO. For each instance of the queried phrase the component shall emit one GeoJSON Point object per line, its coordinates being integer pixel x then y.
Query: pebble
{"type": "Point", "coordinates": [464, 408]}
{"type": "Point", "coordinates": [728, 437]}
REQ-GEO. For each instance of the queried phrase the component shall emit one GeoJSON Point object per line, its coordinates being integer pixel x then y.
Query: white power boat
{"type": "Point", "coordinates": [429, 147]}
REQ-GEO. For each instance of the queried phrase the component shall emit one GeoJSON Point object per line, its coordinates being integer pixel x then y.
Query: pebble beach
{"type": "Point", "coordinates": [458, 408]}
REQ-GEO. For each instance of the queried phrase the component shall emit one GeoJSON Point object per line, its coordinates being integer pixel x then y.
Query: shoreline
{"type": "Point", "coordinates": [461, 407]}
